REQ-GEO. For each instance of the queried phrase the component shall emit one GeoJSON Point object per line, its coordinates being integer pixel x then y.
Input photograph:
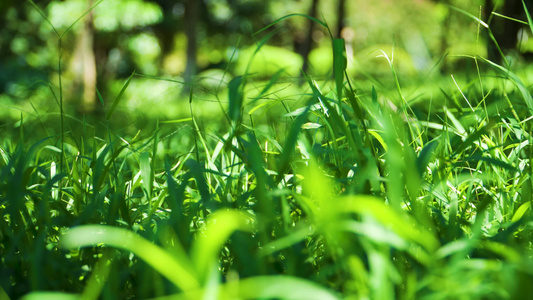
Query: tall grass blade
{"type": "Point", "coordinates": [529, 20]}
{"type": "Point", "coordinates": [235, 99]}
{"type": "Point", "coordinates": [119, 97]}
{"type": "Point", "coordinates": [339, 65]}
{"type": "Point", "coordinates": [289, 16]}
{"type": "Point", "coordinates": [514, 80]}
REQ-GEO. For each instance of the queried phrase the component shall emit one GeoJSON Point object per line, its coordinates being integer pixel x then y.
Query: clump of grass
{"type": "Point", "coordinates": [349, 193]}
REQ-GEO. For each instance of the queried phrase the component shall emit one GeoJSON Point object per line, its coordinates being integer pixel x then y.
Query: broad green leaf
{"type": "Point", "coordinates": [177, 271]}
{"type": "Point", "coordinates": [521, 211]}
{"type": "Point", "coordinates": [388, 217]}
{"type": "Point", "coordinates": [282, 287]}
{"type": "Point", "coordinates": [50, 296]}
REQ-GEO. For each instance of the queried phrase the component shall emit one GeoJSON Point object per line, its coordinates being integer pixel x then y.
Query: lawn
{"type": "Point", "coordinates": [338, 186]}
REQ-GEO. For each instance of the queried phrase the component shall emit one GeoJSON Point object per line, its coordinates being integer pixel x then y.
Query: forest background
{"type": "Point", "coordinates": [201, 42]}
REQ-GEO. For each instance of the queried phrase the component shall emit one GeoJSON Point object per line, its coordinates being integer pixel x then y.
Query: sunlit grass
{"type": "Point", "coordinates": [344, 188]}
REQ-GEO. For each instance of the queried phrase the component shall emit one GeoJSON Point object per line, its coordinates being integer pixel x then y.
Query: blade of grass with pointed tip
{"type": "Point", "coordinates": [516, 81]}
{"type": "Point", "coordinates": [290, 143]}
{"type": "Point", "coordinates": [118, 98]}
{"type": "Point", "coordinates": [339, 65]}
{"type": "Point", "coordinates": [529, 20]}
{"type": "Point", "coordinates": [147, 174]}
{"type": "Point", "coordinates": [175, 270]}
{"type": "Point", "coordinates": [197, 171]}
{"type": "Point", "coordinates": [235, 99]}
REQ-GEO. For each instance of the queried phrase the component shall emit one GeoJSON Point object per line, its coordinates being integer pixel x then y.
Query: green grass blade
{"type": "Point", "coordinates": [118, 98]}
{"type": "Point", "coordinates": [290, 143]}
{"type": "Point", "coordinates": [529, 20]}
{"type": "Point", "coordinates": [425, 156]}
{"type": "Point", "coordinates": [147, 174]}
{"type": "Point", "coordinates": [515, 80]}
{"type": "Point", "coordinates": [472, 138]}
{"type": "Point", "coordinates": [339, 65]}
{"type": "Point", "coordinates": [79, 18]}
{"type": "Point", "coordinates": [220, 226]}
{"type": "Point", "coordinates": [176, 271]}
{"type": "Point", "coordinates": [289, 16]}
{"type": "Point", "coordinates": [282, 287]}
{"type": "Point", "coordinates": [45, 18]}
{"type": "Point", "coordinates": [50, 296]}
{"type": "Point", "coordinates": [235, 99]}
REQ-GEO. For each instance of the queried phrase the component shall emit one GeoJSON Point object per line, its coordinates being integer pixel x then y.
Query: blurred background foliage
{"type": "Point", "coordinates": [205, 43]}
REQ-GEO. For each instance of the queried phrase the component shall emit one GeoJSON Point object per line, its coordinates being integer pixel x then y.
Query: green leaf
{"type": "Point", "coordinates": [282, 287]}
{"type": "Point", "coordinates": [118, 98]}
{"type": "Point", "coordinates": [177, 271]}
{"type": "Point", "coordinates": [521, 211]}
{"type": "Point", "coordinates": [50, 296]}
{"type": "Point", "coordinates": [529, 20]}
{"type": "Point", "coordinates": [220, 226]}
{"type": "Point", "coordinates": [425, 156]}
{"type": "Point", "coordinates": [147, 174]}
{"type": "Point", "coordinates": [235, 98]}
{"type": "Point", "coordinates": [339, 65]}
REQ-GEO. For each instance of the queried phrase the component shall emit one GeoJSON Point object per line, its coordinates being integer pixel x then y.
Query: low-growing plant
{"type": "Point", "coordinates": [346, 193]}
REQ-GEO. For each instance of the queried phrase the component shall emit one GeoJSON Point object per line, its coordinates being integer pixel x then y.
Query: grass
{"type": "Point", "coordinates": [350, 191]}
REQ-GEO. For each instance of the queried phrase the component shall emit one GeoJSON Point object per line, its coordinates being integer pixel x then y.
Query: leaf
{"type": "Point", "coordinates": [282, 287]}
{"type": "Point", "coordinates": [289, 16]}
{"type": "Point", "coordinates": [147, 174]}
{"type": "Point", "coordinates": [197, 171]}
{"type": "Point", "coordinates": [220, 226]}
{"type": "Point", "coordinates": [310, 125]}
{"type": "Point", "coordinates": [529, 20]}
{"type": "Point", "coordinates": [492, 161]}
{"type": "Point", "coordinates": [521, 211]}
{"type": "Point", "coordinates": [515, 80]}
{"type": "Point", "coordinates": [50, 296]}
{"type": "Point", "coordinates": [177, 271]}
{"type": "Point", "coordinates": [425, 156]}
{"type": "Point", "coordinates": [339, 65]}
{"type": "Point", "coordinates": [118, 98]}
{"type": "Point", "coordinates": [235, 99]}
{"type": "Point", "coordinates": [473, 137]}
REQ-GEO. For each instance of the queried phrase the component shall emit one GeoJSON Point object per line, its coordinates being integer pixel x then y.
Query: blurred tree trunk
{"type": "Point", "coordinates": [505, 31]}
{"type": "Point", "coordinates": [191, 20]}
{"type": "Point", "coordinates": [308, 42]}
{"type": "Point", "coordinates": [341, 8]}
{"type": "Point", "coordinates": [89, 63]}
{"type": "Point", "coordinates": [83, 65]}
